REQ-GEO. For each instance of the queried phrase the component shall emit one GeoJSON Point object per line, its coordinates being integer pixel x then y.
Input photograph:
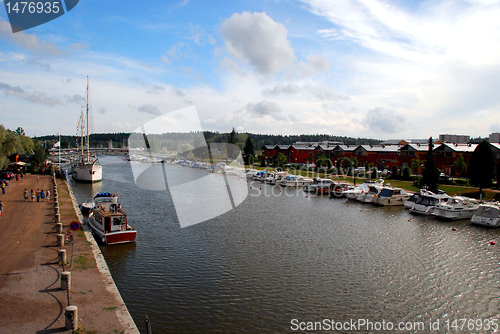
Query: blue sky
{"type": "Point", "coordinates": [361, 68]}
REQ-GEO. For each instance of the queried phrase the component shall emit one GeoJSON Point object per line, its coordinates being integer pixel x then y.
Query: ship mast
{"type": "Point", "coordinates": [81, 130]}
{"type": "Point", "coordinates": [88, 153]}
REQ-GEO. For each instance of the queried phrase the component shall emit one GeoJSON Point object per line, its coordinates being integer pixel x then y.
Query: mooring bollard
{"type": "Point", "coordinates": [57, 209]}
{"type": "Point", "coordinates": [59, 227]}
{"type": "Point", "coordinates": [60, 240]}
{"type": "Point", "coordinates": [61, 255]}
{"type": "Point", "coordinates": [58, 219]}
{"type": "Point", "coordinates": [71, 317]}
{"type": "Point", "coordinates": [66, 280]}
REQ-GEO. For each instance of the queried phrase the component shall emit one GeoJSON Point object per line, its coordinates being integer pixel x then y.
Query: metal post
{"type": "Point", "coordinates": [148, 325]}
{"type": "Point", "coordinates": [61, 255]}
{"type": "Point", "coordinates": [72, 248]}
{"type": "Point", "coordinates": [60, 240]}
{"type": "Point", "coordinates": [66, 280]}
{"type": "Point", "coordinates": [71, 317]}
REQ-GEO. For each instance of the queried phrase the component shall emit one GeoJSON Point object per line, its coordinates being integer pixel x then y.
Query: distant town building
{"type": "Point", "coordinates": [402, 142]}
{"type": "Point", "coordinates": [455, 139]}
{"type": "Point", "coordinates": [494, 138]}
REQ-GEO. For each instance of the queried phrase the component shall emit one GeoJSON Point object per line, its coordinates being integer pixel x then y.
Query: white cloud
{"type": "Point", "coordinates": [381, 120]}
{"type": "Point", "coordinates": [35, 97]}
{"type": "Point", "coordinates": [259, 40]}
{"type": "Point", "coordinates": [29, 42]}
{"type": "Point", "coordinates": [264, 108]}
{"type": "Point", "coordinates": [148, 109]}
{"type": "Point", "coordinates": [321, 93]}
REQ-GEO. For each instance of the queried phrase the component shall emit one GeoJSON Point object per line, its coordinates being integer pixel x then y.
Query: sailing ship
{"type": "Point", "coordinates": [86, 168]}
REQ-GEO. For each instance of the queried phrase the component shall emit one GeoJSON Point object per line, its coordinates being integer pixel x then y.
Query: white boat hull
{"type": "Point", "coordinates": [454, 213]}
{"type": "Point", "coordinates": [87, 172]}
{"type": "Point", "coordinates": [485, 221]}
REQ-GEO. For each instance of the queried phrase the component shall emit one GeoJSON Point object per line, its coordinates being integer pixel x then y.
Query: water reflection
{"type": "Point", "coordinates": [277, 257]}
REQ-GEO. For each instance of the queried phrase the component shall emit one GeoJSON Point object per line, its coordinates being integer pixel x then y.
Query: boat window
{"type": "Point", "coordinates": [107, 224]}
{"type": "Point", "coordinates": [386, 193]}
{"type": "Point", "coordinates": [117, 221]}
{"type": "Point", "coordinates": [413, 198]}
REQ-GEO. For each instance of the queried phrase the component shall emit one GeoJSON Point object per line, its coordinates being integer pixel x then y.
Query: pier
{"type": "Point", "coordinates": [32, 294]}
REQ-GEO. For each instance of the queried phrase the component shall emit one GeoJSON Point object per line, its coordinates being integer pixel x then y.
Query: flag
{"type": "Point", "coordinates": [56, 145]}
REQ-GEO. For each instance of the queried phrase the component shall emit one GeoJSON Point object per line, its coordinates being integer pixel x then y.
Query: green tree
{"type": "Point", "coordinates": [39, 156]}
{"type": "Point", "coordinates": [406, 173]}
{"type": "Point", "coordinates": [481, 168]}
{"type": "Point", "coordinates": [415, 165]}
{"type": "Point", "coordinates": [355, 162]}
{"type": "Point", "coordinates": [20, 131]}
{"type": "Point", "coordinates": [232, 149]}
{"type": "Point", "coordinates": [460, 165]}
{"type": "Point", "coordinates": [345, 163]}
{"type": "Point", "coordinates": [248, 151]}
{"type": "Point", "coordinates": [201, 149]}
{"type": "Point", "coordinates": [430, 176]}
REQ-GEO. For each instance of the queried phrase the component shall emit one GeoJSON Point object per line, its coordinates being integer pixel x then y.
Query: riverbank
{"type": "Point", "coordinates": [30, 289]}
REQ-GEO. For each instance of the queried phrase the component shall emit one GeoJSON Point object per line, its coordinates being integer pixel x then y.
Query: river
{"type": "Point", "coordinates": [279, 263]}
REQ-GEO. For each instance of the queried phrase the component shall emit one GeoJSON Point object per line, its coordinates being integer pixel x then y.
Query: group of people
{"type": "Point", "coordinates": [40, 194]}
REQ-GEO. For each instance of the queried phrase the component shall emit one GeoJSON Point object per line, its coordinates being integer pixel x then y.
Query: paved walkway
{"type": "Point", "coordinates": [32, 300]}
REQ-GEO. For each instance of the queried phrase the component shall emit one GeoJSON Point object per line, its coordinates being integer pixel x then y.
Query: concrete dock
{"type": "Point", "coordinates": [32, 300]}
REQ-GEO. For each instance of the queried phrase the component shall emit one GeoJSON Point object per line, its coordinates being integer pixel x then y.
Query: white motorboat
{"type": "Point", "coordinates": [487, 214]}
{"type": "Point", "coordinates": [109, 222]}
{"type": "Point", "coordinates": [319, 186]}
{"type": "Point", "coordinates": [456, 207]}
{"type": "Point", "coordinates": [390, 196]}
{"type": "Point", "coordinates": [337, 189]}
{"type": "Point", "coordinates": [261, 176]}
{"type": "Point", "coordinates": [368, 196]}
{"type": "Point", "coordinates": [361, 189]}
{"type": "Point", "coordinates": [426, 202]}
{"type": "Point", "coordinates": [295, 181]}
{"type": "Point", "coordinates": [276, 177]}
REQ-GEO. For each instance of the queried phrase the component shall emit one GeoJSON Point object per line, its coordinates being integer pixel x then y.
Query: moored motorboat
{"type": "Point", "coordinates": [109, 222]}
{"type": "Point", "coordinates": [456, 207]}
{"type": "Point", "coordinates": [487, 214]}
{"type": "Point", "coordinates": [295, 181]}
{"type": "Point", "coordinates": [276, 177]}
{"type": "Point", "coordinates": [319, 186]}
{"type": "Point", "coordinates": [337, 189]}
{"type": "Point", "coordinates": [427, 201]}
{"type": "Point", "coordinates": [390, 196]}
{"type": "Point", "coordinates": [368, 196]}
{"type": "Point", "coordinates": [361, 189]}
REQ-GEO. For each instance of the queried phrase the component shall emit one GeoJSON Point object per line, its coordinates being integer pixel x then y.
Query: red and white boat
{"type": "Point", "coordinates": [109, 222]}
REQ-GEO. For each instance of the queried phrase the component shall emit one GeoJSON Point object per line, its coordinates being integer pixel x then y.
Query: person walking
{"type": "Point", "coordinates": [38, 195]}
{"type": "Point", "coordinates": [48, 195]}
{"type": "Point", "coordinates": [1, 208]}
{"type": "Point", "coordinates": [3, 187]}
{"type": "Point", "coordinates": [32, 195]}
{"type": "Point", "coordinates": [42, 194]}
{"type": "Point", "coordinates": [25, 194]}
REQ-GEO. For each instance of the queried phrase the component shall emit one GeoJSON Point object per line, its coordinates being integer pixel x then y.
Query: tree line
{"type": "Point", "coordinates": [16, 142]}
{"type": "Point", "coordinates": [259, 140]}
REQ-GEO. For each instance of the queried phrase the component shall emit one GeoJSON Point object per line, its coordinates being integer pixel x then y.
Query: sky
{"type": "Point", "coordinates": [359, 68]}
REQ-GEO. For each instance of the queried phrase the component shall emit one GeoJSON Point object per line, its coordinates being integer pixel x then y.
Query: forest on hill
{"type": "Point", "coordinates": [120, 139]}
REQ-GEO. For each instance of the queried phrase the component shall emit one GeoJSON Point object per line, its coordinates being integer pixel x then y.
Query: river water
{"type": "Point", "coordinates": [278, 263]}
